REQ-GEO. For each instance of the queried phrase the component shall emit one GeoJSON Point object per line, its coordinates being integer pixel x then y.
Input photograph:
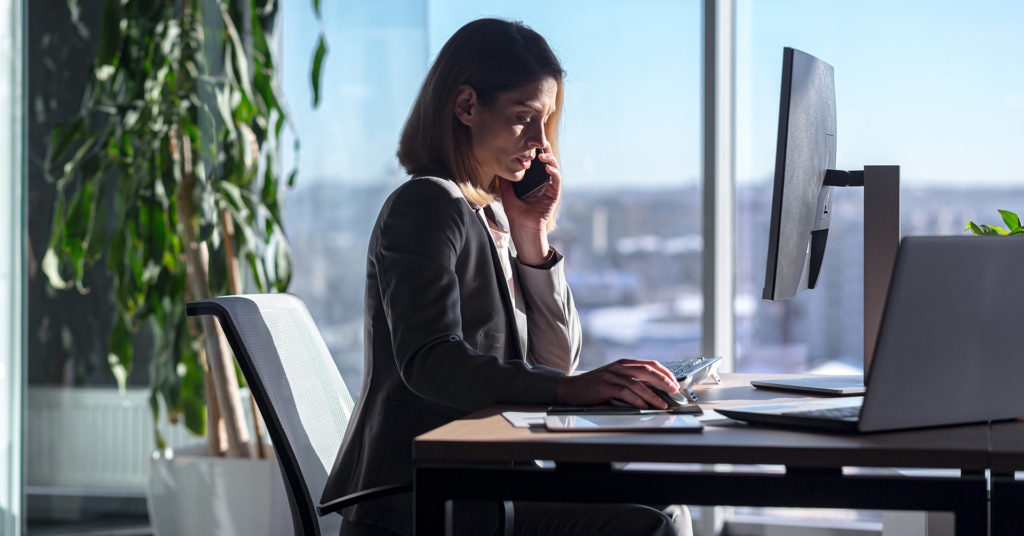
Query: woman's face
{"type": "Point", "coordinates": [507, 133]}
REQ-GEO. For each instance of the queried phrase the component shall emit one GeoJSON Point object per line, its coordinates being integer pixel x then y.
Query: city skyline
{"type": "Point", "coordinates": [632, 259]}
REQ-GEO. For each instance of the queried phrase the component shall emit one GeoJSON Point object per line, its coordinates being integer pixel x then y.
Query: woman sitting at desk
{"type": "Point", "coordinates": [466, 303]}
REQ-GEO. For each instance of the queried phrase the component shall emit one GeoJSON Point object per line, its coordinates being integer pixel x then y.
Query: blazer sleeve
{"type": "Point", "coordinates": [553, 326]}
{"type": "Point", "coordinates": [420, 240]}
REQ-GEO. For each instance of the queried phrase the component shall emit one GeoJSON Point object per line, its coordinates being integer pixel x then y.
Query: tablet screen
{"type": "Point", "coordinates": [660, 422]}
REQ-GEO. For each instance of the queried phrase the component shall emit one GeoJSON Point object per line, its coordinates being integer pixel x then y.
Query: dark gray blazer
{"type": "Point", "coordinates": [442, 338]}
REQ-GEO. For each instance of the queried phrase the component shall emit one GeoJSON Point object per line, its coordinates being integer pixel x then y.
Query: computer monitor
{"type": "Point", "coordinates": [802, 195]}
{"type": "Point", "coordinates": [805, 151]}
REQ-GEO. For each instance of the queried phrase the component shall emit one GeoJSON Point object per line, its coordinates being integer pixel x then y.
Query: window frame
{"type": "Point", "coordinates": [12, 273]}
{"type": "Point", "coordinates": [719, 181]}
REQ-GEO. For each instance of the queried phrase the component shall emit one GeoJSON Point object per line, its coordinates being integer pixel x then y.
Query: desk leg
{"type": "Point", "coordinates": [972, 518]}
{"type": "Point", "coordinates": [1007, 503]}
{"type": "Point", "coordinates": [429, 502]}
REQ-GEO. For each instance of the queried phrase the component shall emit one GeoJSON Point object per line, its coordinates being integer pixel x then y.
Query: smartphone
{"type": "Point", "coordinates": [536, 176]}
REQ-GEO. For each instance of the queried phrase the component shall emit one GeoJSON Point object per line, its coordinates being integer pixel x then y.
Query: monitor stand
{"type": "Point", "coordinates": [881, 242]}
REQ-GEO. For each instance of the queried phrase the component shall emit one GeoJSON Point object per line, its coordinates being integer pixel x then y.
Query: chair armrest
{"type": "Point", "coordinates": [341, 503]}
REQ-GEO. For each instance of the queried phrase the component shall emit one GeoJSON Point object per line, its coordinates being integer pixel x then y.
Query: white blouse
{"type": "Point", "coordinates": [501, 242]}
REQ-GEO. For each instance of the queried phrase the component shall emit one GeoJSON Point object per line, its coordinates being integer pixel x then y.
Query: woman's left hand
{"type": "Point", "coordinates": [528, 218]}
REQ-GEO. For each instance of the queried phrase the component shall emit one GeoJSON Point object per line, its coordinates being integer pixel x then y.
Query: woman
{"type": "Point", "coordinates": [466, 302]}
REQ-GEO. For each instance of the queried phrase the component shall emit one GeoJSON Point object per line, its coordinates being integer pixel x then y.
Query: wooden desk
{"type": "Point", "coordinates": [471, 459]}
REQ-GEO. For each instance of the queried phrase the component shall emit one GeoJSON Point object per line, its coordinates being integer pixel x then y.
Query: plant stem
{"type": "Point", "coordinates": [235, 287]}
{"type": "Point", "coordinates": [224, 381]}
{"type": "Point", "coordinates": [216, 443]}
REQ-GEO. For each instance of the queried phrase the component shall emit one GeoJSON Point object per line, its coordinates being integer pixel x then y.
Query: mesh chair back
{"type": "Point", "coordinates": [297, 387]}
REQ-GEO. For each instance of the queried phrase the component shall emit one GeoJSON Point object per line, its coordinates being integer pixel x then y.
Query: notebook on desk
{"type": "Point", "coordinates": [950, 349]}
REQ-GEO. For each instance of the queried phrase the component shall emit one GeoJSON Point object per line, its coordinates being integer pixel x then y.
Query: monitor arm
{"type": "Point", "coordinates": [838, 177]}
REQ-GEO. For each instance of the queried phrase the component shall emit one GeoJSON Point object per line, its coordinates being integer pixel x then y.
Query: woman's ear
{"type": "Point", "coordinates": [465, 104]}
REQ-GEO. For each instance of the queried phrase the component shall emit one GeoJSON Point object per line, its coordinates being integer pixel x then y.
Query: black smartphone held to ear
{"type": "Point", "coordinates": [536, 176]}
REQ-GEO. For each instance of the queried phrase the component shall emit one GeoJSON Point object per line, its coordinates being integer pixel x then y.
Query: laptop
{"type": "Point", "coordinates": [950, 349]}
{"type": "Point", "coordinates": [844, 385]}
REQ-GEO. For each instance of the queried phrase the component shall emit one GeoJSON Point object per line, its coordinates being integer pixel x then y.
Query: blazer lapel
{"type": "Point", "coordinates": [518, 311]}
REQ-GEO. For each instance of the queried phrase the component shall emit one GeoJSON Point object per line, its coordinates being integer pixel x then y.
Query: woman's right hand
{"type": "Point", "coordinates": [623, 380]}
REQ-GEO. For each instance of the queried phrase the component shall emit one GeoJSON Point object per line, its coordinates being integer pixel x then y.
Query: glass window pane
{"type": "Point", "coordinates": [932, 87]}
{"type": "Point", "coordinates": [347, 166]}
{"type": "Point", "coordinates": [630, 153]}
{"type": "Point", "coordinates": [630, 223]}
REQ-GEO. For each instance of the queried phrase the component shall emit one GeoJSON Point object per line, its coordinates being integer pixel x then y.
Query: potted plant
{"type": "Point", "coordinates": [1012, 226]}
{"type": "Point", "coordinates": [169, 172]}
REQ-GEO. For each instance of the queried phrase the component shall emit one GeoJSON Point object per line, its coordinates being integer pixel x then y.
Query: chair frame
{"type": "Point", "coordinates": [304, 509]}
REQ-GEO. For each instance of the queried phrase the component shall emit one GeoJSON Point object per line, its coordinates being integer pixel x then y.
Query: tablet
{"type": "Point", "coordinates": [659, 422]}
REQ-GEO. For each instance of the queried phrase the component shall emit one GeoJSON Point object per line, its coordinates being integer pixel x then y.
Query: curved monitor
{"type": "Point", "coordinates": [801, 203]}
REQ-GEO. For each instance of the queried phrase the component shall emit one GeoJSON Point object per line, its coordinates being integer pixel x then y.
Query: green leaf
{"type": "Point", "coordinates": [156, 229]}
{"type": "Point", "coordinates": [979, 230]}
{"type": "Point", "coordinates": [77, 226]}
{"type": "Point", "coordinates": [95, 240]}
{"type": "Point", "coordinates": [120, 357]}
{"type": "Point", "coordinates": [75, 12]}
{"type": "Point", "coordinates": [241, 61]}
{"type": "Point", "coordinates": [51, 269]}
{"type": "Point", "coordinates": [232, 194]}
{"type": "Point", "coordinates": [110, 34]}
{"type": "Point", "coordinates": [71, 166]}
{"type": "Point", "coordinates": [316, 8]}
{"type": "Point", "coordinates": [1011, 219]}
{"type": "Point", "coordinates": [282, 261]}
{"type": "Point", "coordinates": [63, 136]}
{"type": "Point", "coordinates": [154, 409]}
{"type": "Point", "coordinates": [258, 274]}
{"type": "Point", "coordinates": [318, 60]}
{"type": "Point", "coordinates": [217, 270]}
{"type": "Point", "coordinates": [193, 394]}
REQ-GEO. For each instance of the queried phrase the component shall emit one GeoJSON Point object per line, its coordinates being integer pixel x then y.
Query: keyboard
{"type": "Point", "coordinates": [684, 368]}
{"type": "Point", "coordinates": [688, 372]}
{"type": "Point", "coordinates": [845, 413]}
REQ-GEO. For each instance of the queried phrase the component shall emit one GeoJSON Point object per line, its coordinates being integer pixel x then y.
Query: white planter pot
{"type": "Point", "coordinates": [190, 493]}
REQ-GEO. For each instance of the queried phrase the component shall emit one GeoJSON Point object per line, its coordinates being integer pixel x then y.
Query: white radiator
{"type": "Point", "coordinates": [92, 441]}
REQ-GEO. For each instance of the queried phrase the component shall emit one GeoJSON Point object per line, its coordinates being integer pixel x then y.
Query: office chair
{"type": "Point", "coordinates": [300, 394]}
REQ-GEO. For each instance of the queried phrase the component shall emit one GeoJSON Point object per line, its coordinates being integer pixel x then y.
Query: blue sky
{"type": "Point", "coordinates": [936, 87]}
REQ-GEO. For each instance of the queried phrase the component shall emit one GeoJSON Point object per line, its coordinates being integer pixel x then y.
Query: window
{"type": "Point", "coordinates": [931, 87]}
{"type": "Point", "coordinates": [928, 86]}
{"type": "Point", "coordinates": [347, 166]}
{"type": "Point", "coordinates": [630, 153]}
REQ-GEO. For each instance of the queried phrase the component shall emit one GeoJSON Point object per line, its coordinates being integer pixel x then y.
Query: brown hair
{"type": "Point", "coordinates": [491, 56]}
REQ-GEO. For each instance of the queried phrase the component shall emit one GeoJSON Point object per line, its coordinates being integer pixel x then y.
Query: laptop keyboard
{"type": "Point", "coordinates": [845, 413]}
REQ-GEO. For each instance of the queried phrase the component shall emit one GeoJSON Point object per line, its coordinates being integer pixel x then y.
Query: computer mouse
{"type": "Point", "coordinates": [672, 399]}
{"type": "Point", "coordinates": [619, 403]}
